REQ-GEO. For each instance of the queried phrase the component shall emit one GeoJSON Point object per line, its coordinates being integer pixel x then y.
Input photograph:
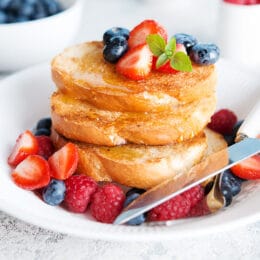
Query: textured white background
{"type": "Point", "coordinates": [19, 240]}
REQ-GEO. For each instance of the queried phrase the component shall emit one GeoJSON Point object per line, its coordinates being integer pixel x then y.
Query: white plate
{"type": "Point", "coordinates": [24, 98]}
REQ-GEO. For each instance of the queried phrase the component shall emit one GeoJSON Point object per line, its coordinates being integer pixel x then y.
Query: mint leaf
{"type": "Point", "coordinates": [156, 44]}
{"type": "Point", "coordinates": [170, 48]}
{"type": "Point", "coordinates": [161, 60]}
{"type": "Point", "coordinates": [181, 62]}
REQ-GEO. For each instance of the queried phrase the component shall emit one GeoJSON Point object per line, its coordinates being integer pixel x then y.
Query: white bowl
{"type": "Point", "coordinates": [27, 43]}
{"type": "Point", "coordinates": [238, 34]}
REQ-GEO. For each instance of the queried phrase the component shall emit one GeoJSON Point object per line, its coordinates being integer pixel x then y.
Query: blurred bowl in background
{"type": "Point", "coordinates": [27, 43]}
{"type": "Point", "coordinates": [238, 34]}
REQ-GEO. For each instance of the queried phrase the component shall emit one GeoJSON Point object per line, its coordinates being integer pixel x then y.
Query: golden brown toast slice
{"type": "Point", "coordinates": [82, 72]}
{"type": "Point", "coordinates": [139, 165]}
{"type": "Point", "coordinates": [80, 121]}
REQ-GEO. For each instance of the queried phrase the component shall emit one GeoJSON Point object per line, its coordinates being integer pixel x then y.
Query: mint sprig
{"type": "Point", "coordinates": [167, 52]}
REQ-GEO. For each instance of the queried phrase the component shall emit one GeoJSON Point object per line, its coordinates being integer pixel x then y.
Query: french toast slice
{"type": "Point", "coordinates": [78, 120]}
{"type": "Point", "coordinates": [82, 72]}
{"type": "Point", "coordinates": [142, 166]}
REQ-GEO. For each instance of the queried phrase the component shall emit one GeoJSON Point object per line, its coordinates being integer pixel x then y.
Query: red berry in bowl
{"type": "Point", "coordinates": [223, 121]}
{"type": "Point", "coordinates": [243, 2]}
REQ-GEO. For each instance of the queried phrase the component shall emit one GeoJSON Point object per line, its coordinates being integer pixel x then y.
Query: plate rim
{"type": "Point", "coordinates": [132, 236]}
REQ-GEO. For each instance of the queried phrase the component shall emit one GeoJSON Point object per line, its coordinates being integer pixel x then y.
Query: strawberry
{"type": "Point", "coordinates": [136, 63]}
{"type": "Point", "coordinates": [166, 68]}
{"type": "Point", "coordinates": [64, 162]}
{"type": "Point", "coordinates": [138, 35]}
{"type": "Point", "coordinates": [32, 173]}
{"type": "Point", "coordinates": [26, 144]}
{"type": "Point", "coordinates": [248, 169]}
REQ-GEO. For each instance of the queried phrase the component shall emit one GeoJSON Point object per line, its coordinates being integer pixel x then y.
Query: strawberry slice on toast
{"type": "Point", "coordinates": [136, 64]}
{"type": "Point", "coordinates": [138, 35]}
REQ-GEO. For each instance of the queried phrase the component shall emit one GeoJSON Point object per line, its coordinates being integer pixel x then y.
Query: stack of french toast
{"type": "Point", "coordinates": [134, 132]}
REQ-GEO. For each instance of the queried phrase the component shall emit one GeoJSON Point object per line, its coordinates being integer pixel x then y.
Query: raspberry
{"type": "Point", "coordinates": [200, 209]}
{"type": "Point", "coordinates": [194, 195]}
{"type": "Point", "coordinates": [107, 203]}
{"type": "Point", "coordinates": [79, 189]}
{"type": "Point", "coordinates": [223, 121]}
{"type": "Point", "coordinates": [175, 208]}
{"type": "Point", "coordinates": [46, 148]}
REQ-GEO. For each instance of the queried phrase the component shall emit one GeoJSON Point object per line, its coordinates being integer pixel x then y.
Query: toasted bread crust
{"type": "Point", "coordinates": [80, 121]}
{"type": "Point", "coordinates": [136, 165]}
{"type": "Point", "coordinates": [82, 72]}
{"type": "Point", "coordinates": [139, 165]}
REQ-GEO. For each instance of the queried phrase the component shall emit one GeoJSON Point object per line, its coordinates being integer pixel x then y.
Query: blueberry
{"type": "Point", "coordinates": [22, 18]}
{"type": "Point", "coordinates": [115, 31]}
{"type": "Point", "coordinates": [40, 11]}
{"type": "Point", "coordinates": [26, 10]}
{"type": "Point", "coordinates": [231, 181]}
{"type": "Point", "coordinates": [3, 17]}
{"type": "Point", "coordinates": [44, 123]}
{"type": "Point", "coordinates": [230, 186]}
{"type": "Point", "coordinates": [54, 193]}
{"type": "Point", "coordinates": [131, 196]}
{"type": "Point", "coordinates": [204, 54]}
{"type": "Point", "coordinates": [226, 192]}
{"type": "Point", "coordinates": [52, 7]}
{"type": "Point", "coordinates": [15, 5]}
{"type": "Point", "coordinates": [230, 139]}
{"type": "Point", "coordinates": [11, 17]}
{"type": "Point", "coordinates": [186, 39]}
{"type": "Point", "coordinates": [43, 131]}
{"type": "Point", "coordinates": [4, 4]}
{"type": "Point", "coordinates": [115, 49]}
{"type": "Point", "coordinates": [134, 190]}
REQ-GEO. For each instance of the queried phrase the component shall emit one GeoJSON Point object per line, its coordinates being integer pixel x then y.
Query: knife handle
{"type": "Point", "coordinates": [251, 124]}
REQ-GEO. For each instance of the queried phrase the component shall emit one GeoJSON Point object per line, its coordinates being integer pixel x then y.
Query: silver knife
{"type": "Point", "coordinates": [210, 167]}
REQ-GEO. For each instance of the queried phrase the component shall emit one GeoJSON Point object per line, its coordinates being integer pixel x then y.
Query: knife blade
{"type": "Point", "coordinates": [208, 168]}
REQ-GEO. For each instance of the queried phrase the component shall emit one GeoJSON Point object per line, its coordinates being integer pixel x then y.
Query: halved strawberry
{"type": "Point", "coordinates": [136, 63]}
{"type": "Point", "coordinates": [248, 169]}
{"type": "Point", "coordinates": [64, 162]}
{"type": "Point", "coordinates": [166, 68]}
{"type": "Point", "coordinates": [26, 144]}
{"type": "Point", "coordinates": [138, 35]}
{"type": "Point", "coordinates": [32, 173]}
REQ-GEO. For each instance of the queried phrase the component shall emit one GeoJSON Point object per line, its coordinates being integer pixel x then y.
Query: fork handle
{"type": "Point", "coordinates": [251, 124]}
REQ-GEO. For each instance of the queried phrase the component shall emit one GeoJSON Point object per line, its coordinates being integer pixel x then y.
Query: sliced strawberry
{"type": "Point", "coordinates": [26, 144]}
{"type": "Point", "coordinates": [166, 68]}
{"type": "Point", "coordinates": [138, 35]}
{"type": "Point", "coordinates": [248, 169]}
{"type": "Point", "coordinates": [64, 162]}
{"type": "Point", "coordinates": [32, 173]}
{"type": "Point", "coordinates": [136, 63]}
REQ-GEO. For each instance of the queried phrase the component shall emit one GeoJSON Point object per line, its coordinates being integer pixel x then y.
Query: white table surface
{"type": "Point", "coordinates": [19, 240]}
